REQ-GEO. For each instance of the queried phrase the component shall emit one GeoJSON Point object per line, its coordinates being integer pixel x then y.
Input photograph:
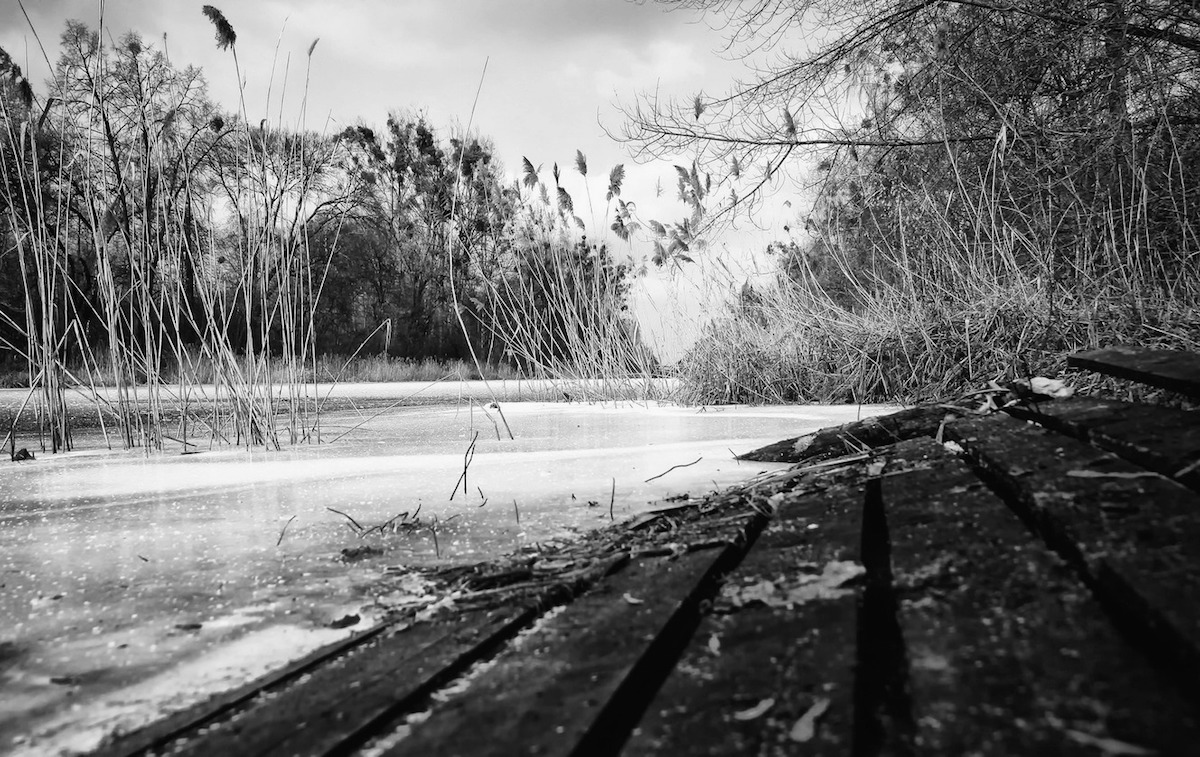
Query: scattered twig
{"type": "Point", "coordinates": [357, 528]}
{"type": "Point", "coordinates": [285, 527]}
{"type": "Point", "coordinates": [388, 523]}
{"type": "Point", "coordinates": [433, 529]}
{"type": "Point", "coordinates": [12, 429]}
{"type": "Point", "coordinates": [673, 467]}
{"type": "Point", "coordinates": [736, 459]}
{"type": "Point", "coordinates": [407, 523]}
{"type": "Point", "coordinates": [504, 420]}
{"type": "Point", "coordinates": [612, 498]}
{"type": "Point", "coordinates": [1187, 469]}
{"type": "Point", "coordinates": [489, 416]}
{"type": "Point", "coordinates": [468, 456]}
{"type": "Point", "coordinates": [517, 511]}
{"type": "Point", "coordinates": [853, 443]}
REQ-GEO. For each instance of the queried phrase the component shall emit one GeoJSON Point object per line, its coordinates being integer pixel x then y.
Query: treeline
{"type": "Point", "coordinates": [143, 221]}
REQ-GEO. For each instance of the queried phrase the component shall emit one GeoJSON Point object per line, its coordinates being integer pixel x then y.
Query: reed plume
{"type": "Point", "coordinates": [226, 36]}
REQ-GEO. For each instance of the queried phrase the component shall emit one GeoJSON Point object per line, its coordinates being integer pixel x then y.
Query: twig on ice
{"type": "Point", "coordinates": [673, 467]}
{"type": "Point", "coordinates": [285, 525]}
{"type": "Point", "coordinates": [468, 456]}
{"type": "Point", "coordinates": [357, 527]}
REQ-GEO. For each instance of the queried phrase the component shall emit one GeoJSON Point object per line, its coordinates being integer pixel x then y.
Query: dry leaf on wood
{"type": "Point", "coordinates": [806, 727]}
{"type": "Point", "coordinates": [756, 711]}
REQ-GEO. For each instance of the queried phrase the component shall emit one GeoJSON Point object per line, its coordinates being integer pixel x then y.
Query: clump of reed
{"type": "Point", "coordinates": [169, 285]}
{"type": "Point", "coordinates": [953, 295]}
{"type": "Point", "coordinates": [562, 311]}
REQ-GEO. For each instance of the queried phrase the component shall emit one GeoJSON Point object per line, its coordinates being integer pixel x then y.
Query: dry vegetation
{"type": "Point", "coordinates": [211, 266]}
{"type": "Point", "coordinates": [946, 310]}
{"type": "Point", "coordinates": [994, 185]}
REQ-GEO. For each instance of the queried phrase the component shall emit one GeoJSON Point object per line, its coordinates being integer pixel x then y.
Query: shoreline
{"type": "Point", "coordinates": [84, 411]}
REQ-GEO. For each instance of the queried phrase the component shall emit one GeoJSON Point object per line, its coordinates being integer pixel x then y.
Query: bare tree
{"type": "Point", "coordinates": [836, 79]}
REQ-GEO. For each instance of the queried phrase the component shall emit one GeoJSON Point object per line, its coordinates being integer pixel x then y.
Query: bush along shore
{"type": "Point", "coordinates": [987, 188]}
{"type": "Point", "coordinates": [325, 369]}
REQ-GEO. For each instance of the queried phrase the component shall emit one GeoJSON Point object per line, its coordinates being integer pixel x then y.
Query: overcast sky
{"type": "Point", "coordinates": [555, 68]}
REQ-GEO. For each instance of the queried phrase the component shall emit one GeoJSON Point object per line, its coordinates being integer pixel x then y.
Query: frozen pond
{"type": "Point", "coordinates": [136, 584]}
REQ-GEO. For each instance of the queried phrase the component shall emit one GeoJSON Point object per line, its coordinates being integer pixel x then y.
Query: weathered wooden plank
{"type": "Point", "coordinates": [781, 640]}
{"type": "Point", "coordinates": [344, 703]}
{"type": "Point", "coordinates": [579, 682]}
{"type": "Point", "coordinates": [164, 731]}
{"type": "Point", "coordinates": [370, 687]}
{"type": "Point", "coordinates": [1134, 536]}
{"type": "Point", "coordinates": [1174, 370]}
{"type": "Point", "coordinates": [1161, 439]}
{"type": "Point", "coordinates": [841, 440]}
{"type": "Point", "coordinates": [1007, 651]}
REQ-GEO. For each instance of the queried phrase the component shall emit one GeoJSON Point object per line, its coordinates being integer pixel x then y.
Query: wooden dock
{"type": "Point", "coordinates": [934, 582]}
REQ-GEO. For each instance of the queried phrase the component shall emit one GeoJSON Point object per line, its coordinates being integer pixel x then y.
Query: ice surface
{"type": "Point", "coordinates": [111, 559]}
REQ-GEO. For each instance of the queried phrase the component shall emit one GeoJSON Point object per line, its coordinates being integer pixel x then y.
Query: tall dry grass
{"type": "Point", "coordinates": [209, 337]}
{"type": "Point", "coordinates": [143, 300]}
{"type": "Point", "coordinates": [957, 293]}
{"type": "Point", "coordinates": [562, 311]}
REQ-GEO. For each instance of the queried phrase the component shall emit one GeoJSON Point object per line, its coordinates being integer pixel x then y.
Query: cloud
{"type": "Point", "coordinates": [537, 24]}
{"type": "Point", "coordinates": [556, 68]}
{"type": "Point", "coordinates": [663, 61]}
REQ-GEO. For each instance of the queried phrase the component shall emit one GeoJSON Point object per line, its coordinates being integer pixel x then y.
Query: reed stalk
{"type": "Point", "coordinates": [140, 301]}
